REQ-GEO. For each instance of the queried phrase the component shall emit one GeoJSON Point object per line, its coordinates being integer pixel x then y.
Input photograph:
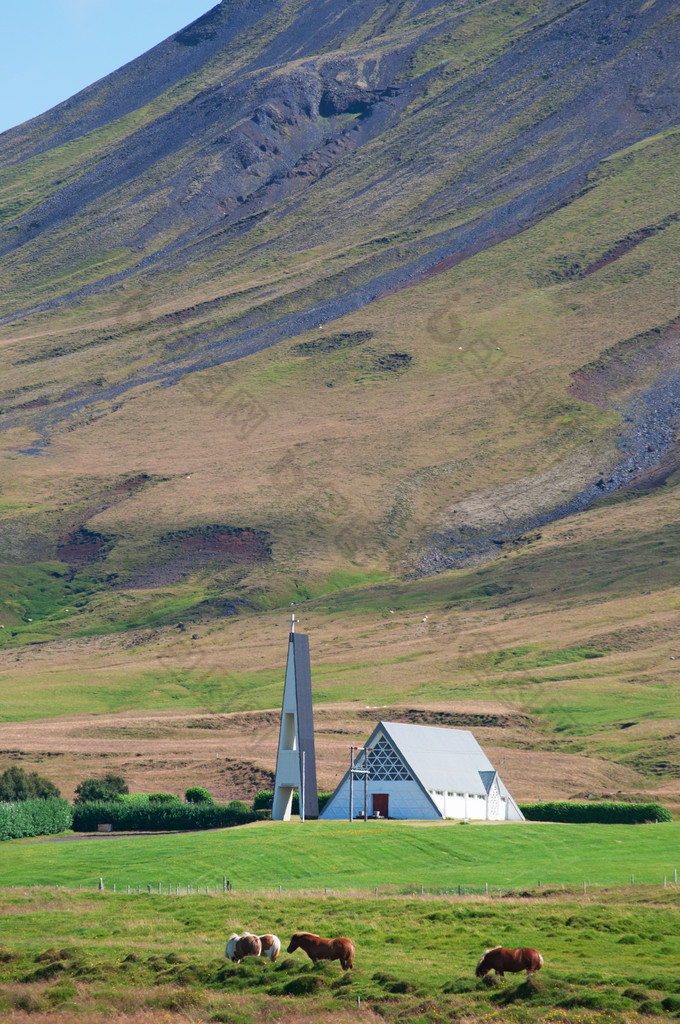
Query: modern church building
{"type": "Point", "coordinates": [418, 771]}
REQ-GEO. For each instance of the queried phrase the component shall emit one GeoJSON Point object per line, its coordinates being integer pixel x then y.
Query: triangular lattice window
{"type": "Point", "coordinates": [385, 764]}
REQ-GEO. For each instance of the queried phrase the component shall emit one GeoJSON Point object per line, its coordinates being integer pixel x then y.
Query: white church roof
{"type": "Point", "coordinates": [442, 759]}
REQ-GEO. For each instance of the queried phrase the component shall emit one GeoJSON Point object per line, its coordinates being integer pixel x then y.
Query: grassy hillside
{"type": "Point", "coordinates": [397, 856]}
{"type": "Point", "coordinates": [371, 308]}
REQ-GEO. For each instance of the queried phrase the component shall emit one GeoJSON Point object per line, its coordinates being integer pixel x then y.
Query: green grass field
{"type": "Point", "coordinates": [398, 856]}
{"type": "Point", "coordinates": [92, 956]}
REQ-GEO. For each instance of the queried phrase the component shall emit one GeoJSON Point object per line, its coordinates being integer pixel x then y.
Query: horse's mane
{"type": "Point", "coordinates": [486, 953]}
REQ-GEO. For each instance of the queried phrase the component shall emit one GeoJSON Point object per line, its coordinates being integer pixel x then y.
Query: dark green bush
{"type": "Point", "coordinates": [164, 798]}
{"type": "Point", "coordinates": [605, 813]}
{"type": "Point", "coordinates": [145, 816]}
{"type": "Point", "coordinates": [265, 798]}
{"type": "Point", "coordinates": [198, 795]}
{"type": "Point", "coordinates": [38, 817]}
{"type": "Point", "coordinates": [110, 786]}
{"type": "Point", "coordinates": [322, 797]}
{"type": "Point", "coordinates": [16, 785]}
{"type": "Point", "coordinates": [238, 805]}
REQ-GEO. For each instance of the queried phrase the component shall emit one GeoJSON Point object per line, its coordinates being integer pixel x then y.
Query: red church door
{"type": "Point", "coordinates": [381, 803]}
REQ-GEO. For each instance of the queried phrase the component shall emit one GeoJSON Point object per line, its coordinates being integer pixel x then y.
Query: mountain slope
{"type": "Point", "coordinates": [275, 167]}
{"type": "Point", "coordinates": [367, 305]}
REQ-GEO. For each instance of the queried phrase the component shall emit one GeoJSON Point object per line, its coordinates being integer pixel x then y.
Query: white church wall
{"type": "Point", "coordinates": [471, 805]}
{"type": "Point", "coordinates": [476, 807]}
{"type": "Point", "coordinates": [511, 811]}
{"type": "Point", "coordinates": [406, 800]}
{"type": "Point", "coordinates": [451, 805]}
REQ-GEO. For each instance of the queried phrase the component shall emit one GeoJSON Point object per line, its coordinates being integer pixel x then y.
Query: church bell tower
{"type": "Point", "coordinates": [296, 761]}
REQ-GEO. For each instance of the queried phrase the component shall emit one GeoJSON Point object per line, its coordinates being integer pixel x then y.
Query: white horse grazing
{"type": "Point", "coordinates": [271, 946]}
{"type": "Point", "coordinates": [240, 946]}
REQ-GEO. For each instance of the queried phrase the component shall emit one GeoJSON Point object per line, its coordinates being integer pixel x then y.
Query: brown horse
{"type": "Point", "coordinates": [324, 949]}
{"type": "Point", "coordinates": [501, 960]}
{"type": "Point", "coordinates": [239, 947]}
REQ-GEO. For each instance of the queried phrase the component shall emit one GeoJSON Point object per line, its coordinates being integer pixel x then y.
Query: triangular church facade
{"type": "Point", "coordinates": [423, 772]}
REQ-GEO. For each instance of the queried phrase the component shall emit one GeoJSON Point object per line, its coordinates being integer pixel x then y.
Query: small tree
{"type": "Point", "coordinates": [108, 788]}
{"type": "Point", "coordinates": [16, 786]}
{"type": "Point", "coordinates": [198, 795]}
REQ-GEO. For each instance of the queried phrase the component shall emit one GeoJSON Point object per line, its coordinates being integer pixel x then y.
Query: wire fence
{"type": "Point", "coordinates": [493, 891]}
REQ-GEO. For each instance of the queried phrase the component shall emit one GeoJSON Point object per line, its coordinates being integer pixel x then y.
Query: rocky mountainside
{"type": "Point", "coordinates": [315, 293]}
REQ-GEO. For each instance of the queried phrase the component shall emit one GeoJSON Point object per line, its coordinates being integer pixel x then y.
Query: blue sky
{"type": "Point", "coordinates": [52, 49]}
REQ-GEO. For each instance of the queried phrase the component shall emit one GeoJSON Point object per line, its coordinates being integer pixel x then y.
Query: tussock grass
{"type": "Point", "coordinates": [161, 953]}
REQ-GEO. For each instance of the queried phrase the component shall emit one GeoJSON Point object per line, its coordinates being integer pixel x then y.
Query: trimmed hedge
{"type": "Point", "coordinates": [150, 816]}
{"type": "Point", "coordinates": [34, 818]}
{"type": "Point", "coordinates": [265, 798]}
{"type": "Point", "coordinates": [604, 812]}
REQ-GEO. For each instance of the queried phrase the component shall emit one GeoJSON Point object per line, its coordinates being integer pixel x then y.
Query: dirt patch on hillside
{"type": "Point", "coordinates": [447, 719]}
{"type": "Point", "coordinates": [658, 475]}
{"type": "Point", "coordinates": [236, 544]}
{"type": "Point", "coordinates": [332, 343]}
{"type": "Point", "coordinates": [246, 720]}
{"type": "Point", "coordinates": [568, 268]}
{"type": "Point", "coordinates": [181, 552]}
{"type": "Point", "coordinates": [628, 363]}
{"type": "Point", "coordinates": [81, 547]}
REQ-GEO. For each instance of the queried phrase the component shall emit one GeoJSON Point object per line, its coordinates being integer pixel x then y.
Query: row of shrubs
{"type": "Point", "coordinates": [160, 812]}
{"type": "Point", "coordinates": [604, 812]}
{"type": "Point", "coordinates": [39, 816]}
{"type": "Point", "coordinates": [142, 814]}
{"type": "Point", "coordinates": [33, 809]}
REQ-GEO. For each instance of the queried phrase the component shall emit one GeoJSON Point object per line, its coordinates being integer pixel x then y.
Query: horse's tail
{"type": "Point", "coordinates": [540, 961]}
